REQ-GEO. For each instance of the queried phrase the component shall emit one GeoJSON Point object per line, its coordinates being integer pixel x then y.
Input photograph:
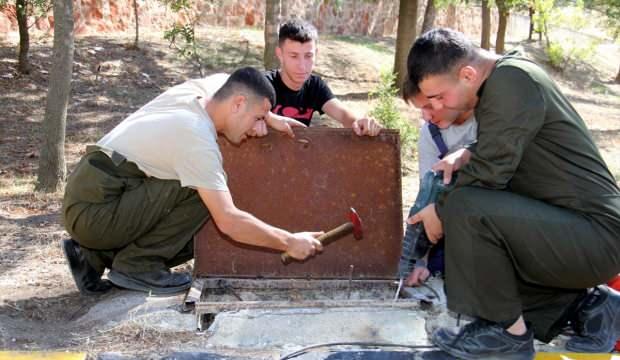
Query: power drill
{"type": "Point", "coordinates": [415, 242]}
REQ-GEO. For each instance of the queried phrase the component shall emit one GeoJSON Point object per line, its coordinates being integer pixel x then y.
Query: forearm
{"type": "Point", "coordinates": [246, 228]}
{"type": "Point", "coordinates": [271, 118]}
{"type": "Point", "coordinates": [339, 112]}
{"type": "Point", "coordinates": [347, 118]}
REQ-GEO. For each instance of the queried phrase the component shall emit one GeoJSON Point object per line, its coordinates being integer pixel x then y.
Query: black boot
{"type": "Point", "coordinates": [87, 279]}
{"type": "Point", "coordinates": [598, 322]}
{"type": "Point", "coordinates": [485, 340]}
{"type": "Point", "coordinates": [161, 282]}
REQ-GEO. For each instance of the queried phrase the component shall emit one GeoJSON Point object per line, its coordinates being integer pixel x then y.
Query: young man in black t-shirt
{"type": "Point", "coordinates": [299, 93]}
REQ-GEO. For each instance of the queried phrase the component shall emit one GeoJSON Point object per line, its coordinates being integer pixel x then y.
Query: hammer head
{"type": "Point", "coordinates": [357, 224]}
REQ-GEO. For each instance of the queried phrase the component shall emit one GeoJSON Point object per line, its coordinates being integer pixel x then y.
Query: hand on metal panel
{"type": "Point", "coordinates": [367, 126]}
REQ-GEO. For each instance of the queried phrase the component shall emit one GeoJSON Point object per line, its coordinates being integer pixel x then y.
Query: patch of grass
{"type": "Point", "coordinates": [599, 89]}
{"type": "Point", "coordinates": [19, 198]}
{"type": "Point", "coordinates": [366, 42]}
{"type": "Point", "coordinates": [17, 185]}
{"type": "Point", "coordinates": [230, 56]}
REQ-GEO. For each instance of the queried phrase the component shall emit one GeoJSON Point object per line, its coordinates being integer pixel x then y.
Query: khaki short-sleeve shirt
{"type": "Point", "coordinates": [173, 138]}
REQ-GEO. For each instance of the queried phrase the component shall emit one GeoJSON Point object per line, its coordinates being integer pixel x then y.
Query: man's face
{"type": "Point", "coordinates": [296, 59]}
{"type": "Point", "coordinates": [442, 118]}
{"type": "Point", "coordinates": [449, 92]}
{"type": "Point", "coordinates": [244, 115]}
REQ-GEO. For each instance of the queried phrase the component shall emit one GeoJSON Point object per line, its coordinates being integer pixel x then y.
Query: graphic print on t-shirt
{"type": "Point", "coordinates": [302, 114]}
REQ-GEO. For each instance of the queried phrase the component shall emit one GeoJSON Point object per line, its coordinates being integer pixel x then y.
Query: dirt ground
{"type": "Point", "coordinates": [38, 299]}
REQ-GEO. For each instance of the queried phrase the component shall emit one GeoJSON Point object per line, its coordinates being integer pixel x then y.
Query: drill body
{"type": "Point", "coordinates": [416, 243]}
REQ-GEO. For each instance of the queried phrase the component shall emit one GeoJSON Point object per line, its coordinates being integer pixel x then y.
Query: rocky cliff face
{"type": "Point", "coordinates": [351, 17]}
{"type": "Point", "coordinates": [95, 16]}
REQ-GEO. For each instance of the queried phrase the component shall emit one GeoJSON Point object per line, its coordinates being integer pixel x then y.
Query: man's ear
{"type": "Point", "coordinates": [279, 53]}
{"type": "Point", "coordinates": [238, 103]}
{"type": "Point", "coordinates": [468, 73]}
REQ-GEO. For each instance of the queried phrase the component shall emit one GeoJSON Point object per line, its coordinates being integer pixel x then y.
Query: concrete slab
{"type": "Point", "coordinates": [294, 328]}
{"type": "Point", "coordinates": [155, 312]}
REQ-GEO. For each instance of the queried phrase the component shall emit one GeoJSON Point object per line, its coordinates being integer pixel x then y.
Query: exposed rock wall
{"type": "Point", "coordinates": [377, 18]}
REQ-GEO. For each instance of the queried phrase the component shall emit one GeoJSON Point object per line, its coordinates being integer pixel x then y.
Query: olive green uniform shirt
{"type": "Point", "coordinates": [532, 142]}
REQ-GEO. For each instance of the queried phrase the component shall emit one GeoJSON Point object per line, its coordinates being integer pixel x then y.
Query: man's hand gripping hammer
{"type": "Point", "coordinates": [354, 225]}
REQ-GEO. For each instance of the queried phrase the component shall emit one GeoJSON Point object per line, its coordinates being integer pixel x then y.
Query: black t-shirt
{"type": "Point", "coordinates": [301, 104]}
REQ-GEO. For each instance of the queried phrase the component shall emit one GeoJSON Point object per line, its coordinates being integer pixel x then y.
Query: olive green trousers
{"type": "Point", "coordinates": [126, 221]}
{"type": "Point", "coordinates": [508, 255]}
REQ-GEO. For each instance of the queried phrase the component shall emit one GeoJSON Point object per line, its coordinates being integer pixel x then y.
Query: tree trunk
{"type": "Point", "coordinates": [391, 21]}
{"type": "Point", "coordinates": [21, 10]}
{"type": "Point", "coordinates": [376, 27]}
{"type": "Point", "coordinates": [105, 10]}
{"type": "Point", "coordinates": [618, 77]}
{"type": "Point", "coordinates": [546, 33]}
{"type": "Point", "coordinates": [52, 167]}
{"type": "Point", "coordinates": [135, 13]}
{"type": "Point", "coordinates": [532, 11]}
{"type": "Point", "coordinates": [81, 18]}
{"type": "Point", "coordinates": [502, 22]}
{"type": "Point", "coordinates": [485, 38]}
{"type": "Point", "coordinates": [451, 16]}
{"type": "Point", "coordinates": [272, 13]}
{"type": "Point", "coordinates": [429, 16]}
{"type": "Point", "coordinates": [284, 10]}
{"type": "Point", "coordinates": [405, 35]}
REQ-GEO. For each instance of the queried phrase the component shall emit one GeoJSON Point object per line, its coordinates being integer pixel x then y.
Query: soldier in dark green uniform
{"type": "Point", "coordinates": [533, 220]}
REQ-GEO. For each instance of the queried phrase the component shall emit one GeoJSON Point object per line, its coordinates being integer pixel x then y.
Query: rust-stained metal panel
{"type": "Point", "coordinates": [308, 184]}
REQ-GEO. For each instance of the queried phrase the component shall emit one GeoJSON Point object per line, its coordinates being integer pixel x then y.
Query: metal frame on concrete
{"type": "Point", "coordinates": [197, 298]}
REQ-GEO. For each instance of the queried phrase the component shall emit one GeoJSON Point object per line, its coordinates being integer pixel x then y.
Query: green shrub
{"type": "Point", "coordinates": [563, 50]}
{"type": "Point", "coordinates": [556, 55]}
{"type": "Point", "coordinates": [563, 55]}
{"type": "Point", "coordinates": [387, 113]}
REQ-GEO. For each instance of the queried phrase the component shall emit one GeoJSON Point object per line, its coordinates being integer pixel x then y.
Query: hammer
{"type": "Point", "coordinates": [354, 225]}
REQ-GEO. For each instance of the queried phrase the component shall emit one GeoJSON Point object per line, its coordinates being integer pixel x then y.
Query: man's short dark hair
{"type": "Point", "coordinates": [437, 52]}
{"type": "Point", "coordinates": [247, 79]}
{"type": "Point", "coordinates": [297, 30]}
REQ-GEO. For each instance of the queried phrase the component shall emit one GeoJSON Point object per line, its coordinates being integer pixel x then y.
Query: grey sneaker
{"type": "Point", "coordinates": [482, 339]}
{"type": "Point", "coordinates": [598, 322]}
{"type": "Point", "coordinates": [162, 282]}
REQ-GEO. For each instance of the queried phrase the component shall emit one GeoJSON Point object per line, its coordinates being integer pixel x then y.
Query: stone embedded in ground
{"type": "Point", "coordinates": [131, 307]}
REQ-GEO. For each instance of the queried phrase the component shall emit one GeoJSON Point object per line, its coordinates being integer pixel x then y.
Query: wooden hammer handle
{"type": "Point", "coordinates": [326, 238]}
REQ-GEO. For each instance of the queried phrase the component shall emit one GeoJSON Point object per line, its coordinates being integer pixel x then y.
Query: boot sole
{"type": "Point", "coordinates": [124, 281]}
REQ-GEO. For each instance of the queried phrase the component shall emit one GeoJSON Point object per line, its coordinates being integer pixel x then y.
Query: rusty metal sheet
{"type": "Point", "coordinates": [308, 184]}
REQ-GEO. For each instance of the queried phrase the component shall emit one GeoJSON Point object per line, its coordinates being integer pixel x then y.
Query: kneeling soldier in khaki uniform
{"type": "Point", "coordinates": [135, 201]}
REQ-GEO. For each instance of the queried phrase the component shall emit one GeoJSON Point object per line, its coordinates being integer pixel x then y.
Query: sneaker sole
{"type": "Point", "coordinates": [578, 349]}
{"type": "Point", "coordinates": [126, 282]}
{"type": "Point", "coordinates": [459, 355]}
